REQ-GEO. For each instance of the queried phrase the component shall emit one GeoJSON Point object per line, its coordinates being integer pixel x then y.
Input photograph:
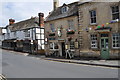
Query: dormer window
{"type": "Point", "coordinates": [64, 9]}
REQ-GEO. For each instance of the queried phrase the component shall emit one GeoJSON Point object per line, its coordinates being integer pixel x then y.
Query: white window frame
{"type": "Point", "coordinates": [53, 46]}
{"type": "Point", "coordinates": [93, 40]}
{"type": "Point", "coordinates": [27, 33]}
{"type": "Point", "coordinates": [40, 36]}
{"type": "Point", "coordinates": [115, 40]}
{"type": "Point", "coordinates": [115, 12]}
{"type": "Point", "coordinates": [92, 17]}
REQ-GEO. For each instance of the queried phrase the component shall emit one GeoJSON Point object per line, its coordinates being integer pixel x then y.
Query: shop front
{"type": "Point", "coordinates": [104, 41]}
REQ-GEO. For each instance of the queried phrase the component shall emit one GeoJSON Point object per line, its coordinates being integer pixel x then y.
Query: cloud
{"type": "Point", "coordinates": [24, 9]}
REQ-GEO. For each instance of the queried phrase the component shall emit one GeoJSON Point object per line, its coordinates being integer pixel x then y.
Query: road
{"type": "Point", "coordinates": [20, 66]}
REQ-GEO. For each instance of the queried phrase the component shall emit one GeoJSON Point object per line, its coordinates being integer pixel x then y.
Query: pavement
{"type": "Point", "coordinates": [105, 63]}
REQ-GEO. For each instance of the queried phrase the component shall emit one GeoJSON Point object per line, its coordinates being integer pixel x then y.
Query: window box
{"type": "Point", "coordinates": [52, 34]}
{"type": "Point", "coordinates": [70, 32]}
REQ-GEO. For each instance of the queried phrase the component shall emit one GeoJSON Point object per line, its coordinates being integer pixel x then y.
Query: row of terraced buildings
{"type": "Point", "coordinates": [86, 29]}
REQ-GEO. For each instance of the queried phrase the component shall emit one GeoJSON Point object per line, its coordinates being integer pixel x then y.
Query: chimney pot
{"type": "Point", "coordinates": [11, 21]}
{"type": "Point", "coordinates": [41, 19]}
{"type": "Point", "coordinates": [55, 4]}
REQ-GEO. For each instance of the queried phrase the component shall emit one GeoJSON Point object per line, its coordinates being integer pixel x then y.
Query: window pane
{"type": "Point", "coordinates": [115, 16]}
{"type": "Point", "coordinates": [42, 36]}
{"type": "Point", "coordinates": [93, 16]}
{"type": "Point", "coordinates": [52, 27]}
{"type": "Point", "coordinates": [43, 46]}
{"type": "Point", "coordinates": [42, 30]}
{"type": "Point", "coordinates": [116, 40]}
{"type": "Point", "coordinates": [37, 30]}
{"type": "Point", "coordinates": [37, 36]}
{"type": "Point", "coordinates": [55, 46]}
{"type": "Point", "coordinates": [71, 45]}
{"type": "Point", "coordinates": [115, 12]}
{"type": "Point", "coordinates": [42, 41]}
{"type": "Point", "coordinates": [39, 44]}
{"type": "Point", "coordinates": [93, 41]}
{"type": "Point", "coordinates": [51, 45]}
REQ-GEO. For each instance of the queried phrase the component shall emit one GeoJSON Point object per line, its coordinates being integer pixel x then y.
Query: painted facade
{"type": "Point", "coordinates": [26, 36]}
{"type": "Point", "coordinates": [1, 37]}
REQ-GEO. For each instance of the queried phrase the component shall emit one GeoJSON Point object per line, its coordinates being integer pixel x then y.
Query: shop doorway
{"type": "Point", "coordinates": [104, 46]}
{"type": "Point", "coordinates": [63, 49]}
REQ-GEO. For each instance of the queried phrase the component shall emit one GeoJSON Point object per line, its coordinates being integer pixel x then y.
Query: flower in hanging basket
{"type": "Point", "coordinates": [70, 32]}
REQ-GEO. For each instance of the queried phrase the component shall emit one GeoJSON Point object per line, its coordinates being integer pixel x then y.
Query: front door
{"type": "Point", "coordinates": [63, 49]}
{"type": "Point", "coordinates": [104, 48]}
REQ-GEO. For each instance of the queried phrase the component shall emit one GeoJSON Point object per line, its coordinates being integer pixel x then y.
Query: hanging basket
{"type": "Point", "coordinates": [52, 34]}
{"type": "Point", "coordinates": [71, 32]}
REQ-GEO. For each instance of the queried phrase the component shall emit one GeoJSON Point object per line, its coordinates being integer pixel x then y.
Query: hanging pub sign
{"type": "Point", "coordinates": [59, 33]}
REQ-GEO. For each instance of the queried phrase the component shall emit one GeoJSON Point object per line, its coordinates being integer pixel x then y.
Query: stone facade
{"type": "Point", "coordinates": [62, 23]}
{"type": "Point", "coordinates": [104, 25]}
{"type": "Point", "coordinates": [64, 37]}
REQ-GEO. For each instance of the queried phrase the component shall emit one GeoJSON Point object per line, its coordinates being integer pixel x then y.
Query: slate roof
{"type": "Point", "coordinates": [26, 24]}
{"type": "Point", "coordinates": [57, 14]}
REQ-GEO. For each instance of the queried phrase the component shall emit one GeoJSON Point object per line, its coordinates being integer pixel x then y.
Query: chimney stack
{"type": "Point", "coordinates": [55, 4]}
{"type": "Point", "coordinates": [41, 19]}
{"type": "Point", "coordinates": [11, 21]}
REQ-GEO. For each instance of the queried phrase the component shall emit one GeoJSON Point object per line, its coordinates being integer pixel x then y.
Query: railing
{"type": "Point", "coordinates": [55, 53]}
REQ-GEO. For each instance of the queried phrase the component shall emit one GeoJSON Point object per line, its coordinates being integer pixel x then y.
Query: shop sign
{"type": "Point", "coordinates": [76, 45]}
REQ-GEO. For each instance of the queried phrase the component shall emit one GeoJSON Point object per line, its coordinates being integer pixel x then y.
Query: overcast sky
{"type": "Point", "coordinates": [24, 9]}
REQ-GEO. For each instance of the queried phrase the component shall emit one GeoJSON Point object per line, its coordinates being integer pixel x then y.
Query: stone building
{"type": "Point", "coordinates": [99, 29]}
{"type": "Point", "coordinates": [61, 29]}
{"type": "Point", "coordinates": [26, 35]}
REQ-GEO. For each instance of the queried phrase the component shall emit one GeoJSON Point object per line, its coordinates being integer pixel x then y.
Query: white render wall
{"type": "Point", "coordinates": [20, 35]}
{"type": "Point", "coordinates": [1, 38]}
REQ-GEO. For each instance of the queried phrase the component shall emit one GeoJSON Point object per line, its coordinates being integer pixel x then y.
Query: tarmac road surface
{"type": "Point", "coordinates": [20, 66]}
